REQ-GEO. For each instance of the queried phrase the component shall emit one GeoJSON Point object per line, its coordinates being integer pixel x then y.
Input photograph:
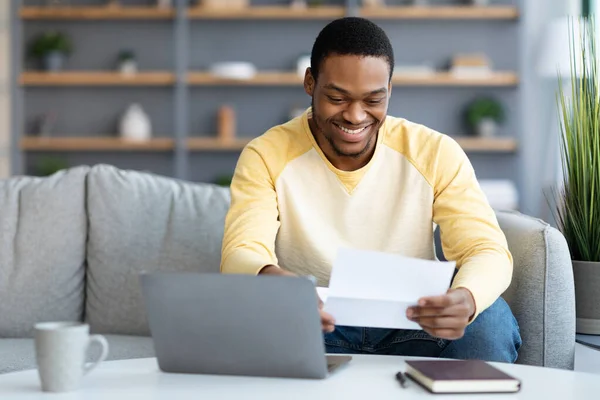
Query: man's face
{"type": "Point", "coordinates": [349, 102]}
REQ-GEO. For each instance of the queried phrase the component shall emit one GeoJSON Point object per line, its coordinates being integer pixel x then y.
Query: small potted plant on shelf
{"type": "Point", "coordinates": [483, 115]}
{"type": "Point", "coordinates": [50, 49]}
{"type": "Point", "coordinates": [127, 63]}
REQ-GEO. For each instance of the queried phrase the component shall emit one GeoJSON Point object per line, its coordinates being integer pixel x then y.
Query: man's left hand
{"type": "Point", "coordinates": [445, 316]}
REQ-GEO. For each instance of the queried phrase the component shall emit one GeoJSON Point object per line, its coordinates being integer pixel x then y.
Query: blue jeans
{"type": "Point", "coordinates": [493, 336]}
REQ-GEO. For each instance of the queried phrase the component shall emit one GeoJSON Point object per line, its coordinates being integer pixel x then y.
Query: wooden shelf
{"type": "Point", "coordinates": [267, 12]}
{"type": "Point", "coordinates": [261, 79]}
{"type": "Point", "coordinates": [440, 12]}
{"type": "Point", "coordinates": [79, 78]}
{"type": "Point", "coordinates": [498, 144]}
{"type": "Point", "coordinates": [210, 143]}
{"type": "Point", "coordinates": [448, 79]}
{"type": "Point", "coordinates": [94, 144]}
{"type": "Point", "coordinates": [96, 13]}
{"type": "Point", "coordinates": [291, 78]}
{"type": "Point", "coordinates": [82, 78]}
{"type": "Point", "coordinates": [470, 144]}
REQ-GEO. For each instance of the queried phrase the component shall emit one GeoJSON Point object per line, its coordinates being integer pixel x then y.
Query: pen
{"type": "Point", "coordinates": [401, 378]}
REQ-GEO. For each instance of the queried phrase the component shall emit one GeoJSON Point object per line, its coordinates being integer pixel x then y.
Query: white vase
{"type": "Point", "coordinates": [486, 127]}
{"type": "Point", "coordinates": [128, 67]}
{"type": "Point", "coordinates": [298, 4]}
{"type": "Point", "coordinates": [302, 64]}
{"type": "Point", "coordinates": [135, 124]}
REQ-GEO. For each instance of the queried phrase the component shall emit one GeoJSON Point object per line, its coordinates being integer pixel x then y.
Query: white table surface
{"type": "Point", "coordinates": [366, 377]}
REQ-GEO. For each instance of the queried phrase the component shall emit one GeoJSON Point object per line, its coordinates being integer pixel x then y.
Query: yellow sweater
{"type": "Point", "coordinates": [291, 207]}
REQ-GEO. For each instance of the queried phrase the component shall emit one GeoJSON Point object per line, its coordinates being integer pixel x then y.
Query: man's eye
{"type": "Point", "coordinates": [374, 102]}
{"type": "Point", "coordinates": [335, 99]}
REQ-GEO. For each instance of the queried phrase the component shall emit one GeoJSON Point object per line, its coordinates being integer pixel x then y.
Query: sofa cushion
{"type": "Point", "coordinates": [541, 295]}
{"type": "Point", "coordinates": [43, 228]}
{"type": "Point", "coordinates": [19, 354]}
{"type": "Point", "coordinates": [139, 222]}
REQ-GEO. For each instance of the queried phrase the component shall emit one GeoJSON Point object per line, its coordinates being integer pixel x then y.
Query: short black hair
{"type": "Point", "coordinates": [351, 36]}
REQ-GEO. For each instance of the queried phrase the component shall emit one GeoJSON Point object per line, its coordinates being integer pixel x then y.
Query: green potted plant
{"type": "Point", "coordinates": [577, 201]}
{"type": "Point", "coordinates": [483, 115]}
{"type": "Point", "coordinates": [50, 48]}
{"type": "Point", "coordinates": [127, 62]}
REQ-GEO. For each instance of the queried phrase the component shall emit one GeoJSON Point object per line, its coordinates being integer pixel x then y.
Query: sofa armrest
{"type": "Point", "coordinates": [542, 293]}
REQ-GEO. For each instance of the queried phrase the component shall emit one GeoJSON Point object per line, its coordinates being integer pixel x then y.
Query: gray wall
{"type": "Point", "coordinates": [276, 45]}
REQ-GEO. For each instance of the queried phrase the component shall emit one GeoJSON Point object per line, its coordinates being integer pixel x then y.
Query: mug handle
{"type": "Point", "coordinates": [104, 344]}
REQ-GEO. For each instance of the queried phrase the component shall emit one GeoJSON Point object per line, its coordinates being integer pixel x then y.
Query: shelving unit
{"type": "Point", "coordinates": [208, 144]}
{"type": "Point", "coordinates": [190, 86]}
{"type": "Point", "coordinates": [441, 12]}
{"type": "Point", "coordinates": [94, 144]}
{"type": "Point", "coordinates": [291, 78]}
{"type": "Point", "coordinates": [85, 78]}
{"type": "Point", "coordinates": [96, 13]}
{"type": "Point", "coordinates": [267, 12]}
{"type": "Point", "coordinates": [497, 145]}
{"type": "Point", "coordinates": [90, 78]}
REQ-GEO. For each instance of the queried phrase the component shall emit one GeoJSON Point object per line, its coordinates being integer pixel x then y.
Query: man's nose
{"type": "Point", "coordinates": [354, 114]}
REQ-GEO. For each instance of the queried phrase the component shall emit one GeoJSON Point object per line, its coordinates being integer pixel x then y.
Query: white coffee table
{"type": "Point", "coordinates": [366, 377]}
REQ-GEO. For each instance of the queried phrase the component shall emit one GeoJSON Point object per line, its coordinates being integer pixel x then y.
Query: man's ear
{"type": "Point", "coordinates": [309, 82]}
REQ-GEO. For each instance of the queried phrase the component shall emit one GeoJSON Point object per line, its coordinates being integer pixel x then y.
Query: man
{"type": "Point", "coordinates": [346, 174]}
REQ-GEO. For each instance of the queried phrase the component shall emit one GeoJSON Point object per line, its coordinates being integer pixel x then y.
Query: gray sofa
{"type": "Point", "coordinates": [73, 245]}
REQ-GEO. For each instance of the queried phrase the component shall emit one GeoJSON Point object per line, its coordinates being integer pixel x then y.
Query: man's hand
{"type": "Point", "coordinates": [327, 321]}
{"type": "Point", "coordinates": [445, 316]}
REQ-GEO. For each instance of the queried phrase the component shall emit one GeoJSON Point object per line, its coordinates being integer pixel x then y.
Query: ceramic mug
{"type": "Point", "coordinates": [61, 349]}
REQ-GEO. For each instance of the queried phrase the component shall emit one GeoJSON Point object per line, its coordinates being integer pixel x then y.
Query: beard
{"type": "Point", "coordinates": [329, 137]}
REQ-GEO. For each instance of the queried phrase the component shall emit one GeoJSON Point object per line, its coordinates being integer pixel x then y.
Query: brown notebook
{"type": "Point", "coordinates": [461, 376]}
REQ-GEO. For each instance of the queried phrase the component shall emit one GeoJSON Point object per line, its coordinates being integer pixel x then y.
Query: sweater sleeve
{"type": "Point", "coordinates": [469, 230]}
{"type": "Point", "coordinates": [251, 223]}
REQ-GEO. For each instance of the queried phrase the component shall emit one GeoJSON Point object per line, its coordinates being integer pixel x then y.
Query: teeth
{"type": "Point", "coordinates": [352, 132]}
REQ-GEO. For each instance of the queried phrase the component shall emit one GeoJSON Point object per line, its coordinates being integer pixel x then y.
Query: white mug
{"type": "Point", "coordinates": [61, 349]}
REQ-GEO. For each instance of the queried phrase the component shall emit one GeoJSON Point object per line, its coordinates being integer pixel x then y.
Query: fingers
{"type": "Point", "coordinates": [454, 310]}
{"type": "Point", "coordinates": [327, 322]}
{"type": "Point", "coordinates": [442, 322]}
{"type": "Point", "coordinates": [442, 301]}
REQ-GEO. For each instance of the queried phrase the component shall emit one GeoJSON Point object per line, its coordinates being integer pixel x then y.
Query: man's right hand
{"type": "Point", "coordinates": [327, 321]}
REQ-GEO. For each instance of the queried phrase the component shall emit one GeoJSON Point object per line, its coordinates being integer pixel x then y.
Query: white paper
{"type": "Point", "coordinates": [374, 289]}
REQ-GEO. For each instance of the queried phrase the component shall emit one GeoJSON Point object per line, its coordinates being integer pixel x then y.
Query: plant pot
{"type": "Point", "coordinates": [128, 67]}
{"type": "Point", "coordinates": [587, 296]}
{"type": "Point", "coordinates": [53, 61]}
{"type": "Point", "coordinates": [486, 127]}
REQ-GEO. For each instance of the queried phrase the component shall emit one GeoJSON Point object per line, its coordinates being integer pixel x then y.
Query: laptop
{"type": "Point", "coordinates": [210, 323]}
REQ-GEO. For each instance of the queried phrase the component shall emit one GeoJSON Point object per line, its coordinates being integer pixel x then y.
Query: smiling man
{"type": "Point", "coordinates": [347, 174]}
